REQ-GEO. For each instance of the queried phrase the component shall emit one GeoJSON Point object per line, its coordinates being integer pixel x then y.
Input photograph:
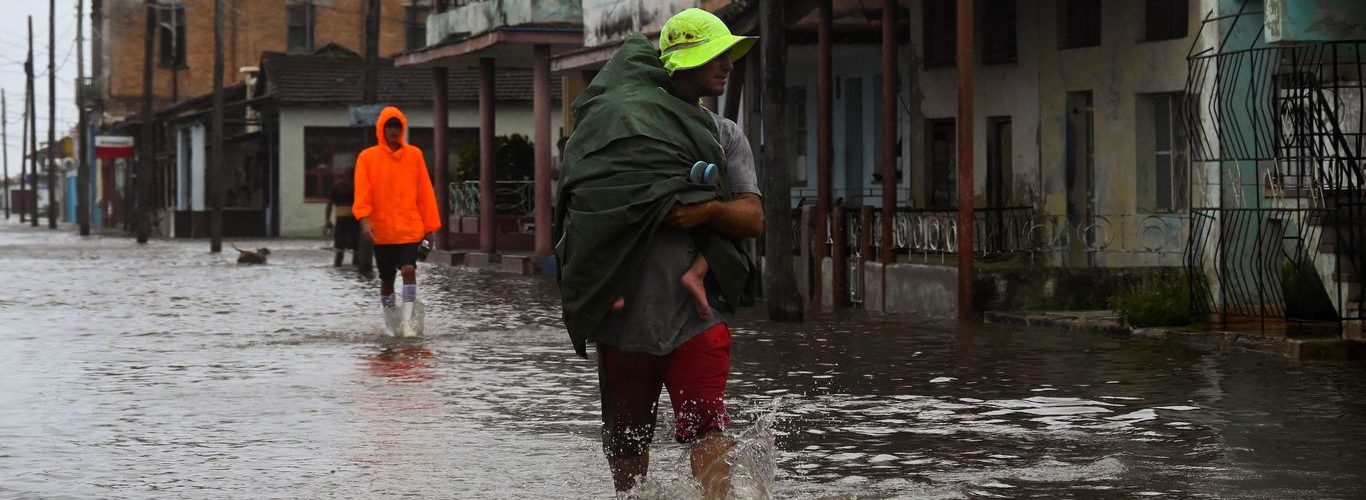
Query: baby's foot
{"type": "Point", "coordinates": [693, 284]}
{"type": "Point", "coordinates": [619, 304]}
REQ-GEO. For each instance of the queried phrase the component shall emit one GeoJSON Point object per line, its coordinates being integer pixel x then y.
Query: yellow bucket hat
{"type": "Point", "coordinates": [694, 37]}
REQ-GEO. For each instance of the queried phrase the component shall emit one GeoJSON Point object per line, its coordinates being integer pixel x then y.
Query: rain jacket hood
{"type": "Point", "coordinates": [626, 165]}
{"type": "Point", "coordinates": [394, 190]}
{"type": "Point", "coordinates": [389, 113]}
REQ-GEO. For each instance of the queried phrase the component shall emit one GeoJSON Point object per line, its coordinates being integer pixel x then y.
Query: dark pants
{"type": "Point", "coordinates": [392, 257]}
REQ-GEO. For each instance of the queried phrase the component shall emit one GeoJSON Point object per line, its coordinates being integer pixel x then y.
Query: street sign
{"type": "Point", "coordinates": [364, 115]}
{"type": "Point", "coordinates": [113, 146]}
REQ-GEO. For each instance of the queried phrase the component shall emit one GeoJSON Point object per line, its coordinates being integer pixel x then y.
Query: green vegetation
{"type": "Point", "coordinates": [1158, 303]}
{"type": "Point", "coordinates": [515, 159]}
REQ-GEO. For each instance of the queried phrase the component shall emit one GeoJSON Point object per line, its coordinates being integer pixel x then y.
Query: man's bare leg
{"type": "Point", "coordinates": [627, 472]}
{"type": "Point", "coordinates": [692, 282]}
{"type": "Point", "coordinates": [709, 465]}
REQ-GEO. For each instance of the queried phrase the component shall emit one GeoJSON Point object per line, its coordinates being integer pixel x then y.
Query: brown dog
{"type": "Point", "coordinates": [251, 257]}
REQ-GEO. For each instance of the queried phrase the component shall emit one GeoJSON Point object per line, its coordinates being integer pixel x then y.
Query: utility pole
{"type": "Point", "coordinates": [144, 169]}
{"type": "Point", "coordinates": [96, 76]}
{"type": "Point", "coordinates": [32, 130]}
{"type": "Point", "coordinates": [83, 133]}
{"type": "Point", "coordinates": [52, 114]}
{"type": "Point", "coordinates": [780, 281]}
{"type": "Point", "coordinates": [23, 157]}
{"type": "Point", "coordinates": [4, 136]}
{"type": "Point", "coordinates": [216, 153]}
{"type": "Point", "coordinates": [364, 247]}
{"type": "Point", "coordinates": [966, 216]}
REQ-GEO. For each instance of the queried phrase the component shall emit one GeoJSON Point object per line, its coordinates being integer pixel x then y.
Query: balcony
{"type": "Point", "coordinates": [480, 17]}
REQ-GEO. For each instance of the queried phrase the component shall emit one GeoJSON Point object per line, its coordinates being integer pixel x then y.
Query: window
{"type": "Point", "coordinates": [941, 32]}
{"type": "Point", "coordinates": [1078, 23]}
{"type": "Point", "coordinates": [171, 35]}
{"type": "Point", "coordinates": [1165, 19]}
{"type": "Point", "coordinates": [1163, 163]}
{"type": "Point", "coordinates": [415, 17]}
{"type": "Point", "coordinates": [998, 32]}
{"type": "Point", "coordinates": [943, 172]}
{"type": "Point", "coordinates": [300, 19]}
{"type": "Point", "coordinates": [330, 152]}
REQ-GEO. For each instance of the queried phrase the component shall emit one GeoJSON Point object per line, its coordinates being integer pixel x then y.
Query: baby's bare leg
{"type": "Point", "coordinates": [692, 282]}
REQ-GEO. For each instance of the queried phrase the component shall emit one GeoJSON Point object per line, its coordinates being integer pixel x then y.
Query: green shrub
{"type": "Point", "coordinates": [1161, 303]}
{"type": "Point", "coordinates": [514, 159]}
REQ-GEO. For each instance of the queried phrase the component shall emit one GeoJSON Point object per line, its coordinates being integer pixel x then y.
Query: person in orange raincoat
{"type": "Point", "coordinates": [396, 208]}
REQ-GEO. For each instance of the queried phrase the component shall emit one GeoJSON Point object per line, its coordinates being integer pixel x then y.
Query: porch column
{"type": "Point", "coordinates": [487, 151]}
{"type": "Point", "coordinates": [440, 125]}
{"type": "Point", "coordinates": [541, 113]}
{"type": "Point", "coordinates": [823, 146]}
{"type": "Point", "coordinates": [889, 132]}
{"type": "Point", "coordinates": [965, 215]}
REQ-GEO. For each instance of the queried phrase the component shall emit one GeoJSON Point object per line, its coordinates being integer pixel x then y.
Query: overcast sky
{"type": "Point", "coordinates": [13, 50]}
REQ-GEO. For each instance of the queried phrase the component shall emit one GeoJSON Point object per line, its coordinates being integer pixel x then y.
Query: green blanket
{"type": "Point", "coordinates": [625, 166]}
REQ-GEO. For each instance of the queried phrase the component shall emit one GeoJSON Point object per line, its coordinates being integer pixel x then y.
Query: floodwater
{"type": "Point", "coordinates": [162, 371]}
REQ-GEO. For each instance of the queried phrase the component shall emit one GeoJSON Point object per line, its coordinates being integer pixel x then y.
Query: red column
{"type": "Point", "coordinates": [440, 125]}
{"type": "Point", "coordinates": [823, 143]}
{"type": "Point", "coordinates": [541, 113]}
{"type": "Point", "coordinates": [889, 132]}
{"type": "Point", "coordinates": [965, 215]}
{"type": "Point", "coordinates": [487, 212]}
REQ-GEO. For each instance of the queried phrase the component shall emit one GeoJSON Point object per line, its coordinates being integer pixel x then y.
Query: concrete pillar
{"type": "Point", "coordinates": [889, 143]}
{"type": "Point", "coordinates": [541, 113]}
{"type": "Point", "coordinates": [965, 215]}
{"type": "Point", "coordinates": [440, 126]}
{"type": "Point", "coordinates": [487, 146]}
{"type": "Point", "coordinates": [824, 150]}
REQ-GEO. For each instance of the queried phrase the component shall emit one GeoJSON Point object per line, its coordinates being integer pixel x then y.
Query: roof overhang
{"type": "Point", "coordinates": [591, 57]}
{"type": "Point", "coordinates": [512, 47]}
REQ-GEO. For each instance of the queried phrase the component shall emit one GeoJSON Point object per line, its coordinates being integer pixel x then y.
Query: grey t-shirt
{"type": "Point", "coordinates": [660, 315]}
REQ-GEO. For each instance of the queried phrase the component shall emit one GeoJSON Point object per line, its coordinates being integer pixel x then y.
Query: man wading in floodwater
{"type": "Point", "coordinates": [630, 224]}
{"type": "Point", "coordinates": [396, 208]}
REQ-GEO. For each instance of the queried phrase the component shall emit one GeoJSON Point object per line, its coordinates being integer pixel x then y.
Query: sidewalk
{"type": "Point", "coordinates": [515, 263]}
{"type": "Point", "coordinates": [1320, 347]}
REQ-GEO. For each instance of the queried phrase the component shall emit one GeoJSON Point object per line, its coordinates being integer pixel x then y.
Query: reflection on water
{"type": "Point", "coordinates": [164, 371]}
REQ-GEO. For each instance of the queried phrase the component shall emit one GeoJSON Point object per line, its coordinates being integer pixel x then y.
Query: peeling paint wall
{"type": "Point", "coordinates": [1000, 90]}
{"type": "Point", "coordinates": [1116, 72]}
{"type": "Point", "coordinates": [1314, 20]}
{"type": "Point", "coordinates": [481, 17]}
{"type": "Point", "coordinates": [607, 21]}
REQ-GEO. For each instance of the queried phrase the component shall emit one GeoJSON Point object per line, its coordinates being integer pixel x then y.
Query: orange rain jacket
{"type": "Point", "coordinates": [394, 190]}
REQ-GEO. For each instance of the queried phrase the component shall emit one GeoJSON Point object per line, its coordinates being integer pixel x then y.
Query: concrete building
{"type": "Point", "coordinates": [183, 47]}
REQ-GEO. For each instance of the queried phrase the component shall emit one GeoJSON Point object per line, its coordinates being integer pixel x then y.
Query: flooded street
{"type": "Point", "coordinates": [163, 371]}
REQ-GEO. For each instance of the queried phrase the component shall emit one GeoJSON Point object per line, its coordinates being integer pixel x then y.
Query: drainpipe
{"type": "Point", "coordinates": [440, 117]}
{"type": "Point", "coordinates": [823, 146]}
{"type": "Point", "coordinates": [965, 216]}
{"type": "Point", "coordinates": [889, 142]}
{"type": "Point", "coordinates": [541, 113]}
{"type": "Point", "coordinates": [486, 157]}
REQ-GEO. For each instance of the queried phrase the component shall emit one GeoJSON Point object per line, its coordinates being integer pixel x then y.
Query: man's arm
{"type": "Point", "coordinates": [742, 217]}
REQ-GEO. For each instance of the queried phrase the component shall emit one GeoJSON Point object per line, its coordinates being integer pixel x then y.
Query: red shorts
{"type": "Point", "coordinates": [695, 375]}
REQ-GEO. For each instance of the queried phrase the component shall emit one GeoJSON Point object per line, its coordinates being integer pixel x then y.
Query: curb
{"type": "Point", "coordinates": [1335, 349]}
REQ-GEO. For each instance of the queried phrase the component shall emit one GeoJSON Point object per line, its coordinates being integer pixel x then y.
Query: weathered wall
{"type": "Point", "coordinates": [484, 16]}
{"type": "Point", "coordinates": [300, 218]}
{"type": "Point", "coordinates": [249, 28]}
{"type": "Point", "coordinates": [1000, 90]}
{"type": "Point", "coordinates": [1116, 71]}
{"type": "Point", "coordinates": [607, 21]}
{"type": "Point", "coordinates": [1314, 21]}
